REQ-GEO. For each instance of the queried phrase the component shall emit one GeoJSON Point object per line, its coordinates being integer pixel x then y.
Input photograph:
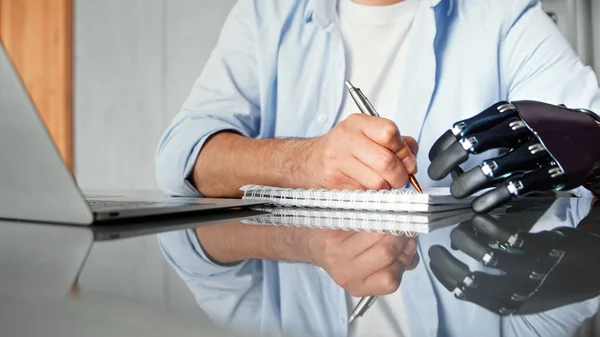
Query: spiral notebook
{"type": "Point", "coordinates": [394, 223]}
{"type": "Point", "coordinates": [395, 200]}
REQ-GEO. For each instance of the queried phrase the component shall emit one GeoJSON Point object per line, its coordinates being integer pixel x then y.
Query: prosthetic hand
{"type": "Point", "coordinates": [546, 148]}
{"type": "Point", "coordinates": [541, 271]}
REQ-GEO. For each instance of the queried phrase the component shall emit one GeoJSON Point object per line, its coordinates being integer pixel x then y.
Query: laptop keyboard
{"type": "Point", "coordinates": [98, 205]}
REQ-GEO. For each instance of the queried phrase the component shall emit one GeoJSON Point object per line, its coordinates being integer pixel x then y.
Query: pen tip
{"type": "Point", "coordinates": [349, 85]}
{"type": "Point", "coordinates": [351, 319]}
{"type": "Point", "coordinates": [415, 183]}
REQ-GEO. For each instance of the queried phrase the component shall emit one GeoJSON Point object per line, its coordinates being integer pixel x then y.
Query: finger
{"type": "Point", "coordinates": [385, 163]}
{"type": "Point", "coordinates": [486, 224]}
{"type": "Point", "coordinates": [412, 144]}
{"type": "Point", "coordinates": [381, 255]}
{"type": "Point", "coordinates": [463, 238]}
{"type": "Point", "coordinates": [414, 262]}
{"type": "Point", "coordinates": [364, 175]}
{"type": "Point", "coordinates": [447, 160]}
{"type": "Point", "coordinates": [452, 273]}
{"type": "Point", "coordinates": [408, 155]}
{"type": "Point", "coordinates": [441, 144]}
{"type": "Point", "coordinates": [407, 257]}
{"type": "Point", "coordinates": [384, 281]}
{"type": "Point", "coordinates": [525, 158]}
{"type": "Point", "coordinates": [345, 182]}
{"type": "Point", "coordinates": [359, 243]}
{"type": "Point", "coordinates": [480, 288]}
{"type": "Point", "coordinates": [380, 130]}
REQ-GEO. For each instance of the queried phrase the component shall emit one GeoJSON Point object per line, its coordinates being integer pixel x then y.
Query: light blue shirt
{"type": "Point", "coordinates": [278, 70]}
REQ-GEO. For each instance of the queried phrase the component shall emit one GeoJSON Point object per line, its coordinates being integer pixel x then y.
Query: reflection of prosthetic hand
{"type": "Point", "coordinates": [549, 148]}
{"type": "Point", "coordinates": [541, 271]}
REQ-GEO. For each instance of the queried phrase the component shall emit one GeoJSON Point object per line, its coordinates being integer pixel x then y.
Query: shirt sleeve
{"type": "Point", "coordinates": [230, 295]}
{"type": "Point", "coordinates": [224, 97]}
{"type": "Point", "coordinates": [538, 63]}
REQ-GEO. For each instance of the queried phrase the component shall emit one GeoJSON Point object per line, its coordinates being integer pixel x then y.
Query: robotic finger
{"type": "Point", "coordinates": [490, 117]}
{"type": "Point", "coordinates": [509, 134]}
{"type": "Point", "coordinates": [528, 157]}
{"type": "Point", "coordinates": [488, 291]}
{"type": "Point", "coordinates": [550, 177]}
{"type": "Point", "coordinates": [496, 254]}
{"type": "Point", "coordinates": [484, 223]}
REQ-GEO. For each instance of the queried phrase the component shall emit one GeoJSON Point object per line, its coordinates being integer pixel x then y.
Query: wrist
{"type": "Point", "coordinates": [291, 163]}
{"type": "Point", "coordinates": [291, 245]}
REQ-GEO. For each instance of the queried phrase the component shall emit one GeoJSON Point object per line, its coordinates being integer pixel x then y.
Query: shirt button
{"type": "Point", "coordinates": [321, 119]}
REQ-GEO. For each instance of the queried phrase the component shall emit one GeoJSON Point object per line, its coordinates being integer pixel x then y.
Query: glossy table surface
{"type": "Point", "coordinates": [113, 280]}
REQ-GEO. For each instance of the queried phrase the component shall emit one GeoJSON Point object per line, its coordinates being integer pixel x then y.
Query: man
{"type": "Point", "coordinates": [270, 108]}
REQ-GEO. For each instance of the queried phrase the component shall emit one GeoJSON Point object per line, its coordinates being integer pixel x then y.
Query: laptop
{"type": "Point", "coordinates": [35, 184]}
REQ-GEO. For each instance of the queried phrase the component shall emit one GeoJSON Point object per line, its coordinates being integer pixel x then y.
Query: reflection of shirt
{"type": "Point", "coordinates": [376, 41]}
{"type": "Point", "coordinates": [279, 70]}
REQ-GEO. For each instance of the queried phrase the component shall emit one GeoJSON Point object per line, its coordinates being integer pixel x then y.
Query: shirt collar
{"type": "Point", "coordinates": [323, 12]}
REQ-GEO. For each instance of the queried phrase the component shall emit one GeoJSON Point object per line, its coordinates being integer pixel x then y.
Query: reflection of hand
{"type": "Point", "coordinates": [362, 263]}
{"type": "Point", "coordinates": [361, 152]}
{"type": "Point", "coordinates": [540, 271]}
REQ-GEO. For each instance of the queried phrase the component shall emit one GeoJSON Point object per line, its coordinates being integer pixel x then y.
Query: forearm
{"type": "Point", "coordinates": [228, 161]}
{"type": "Point", "coordinates": [235, 242]}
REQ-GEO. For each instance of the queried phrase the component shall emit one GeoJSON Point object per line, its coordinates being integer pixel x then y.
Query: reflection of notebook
{"type": "Point", "coordinates": [398, 200]}
{"type": "Point", "coordinates": [395, 223]}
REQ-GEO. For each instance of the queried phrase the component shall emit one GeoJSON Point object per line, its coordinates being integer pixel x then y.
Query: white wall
{"type": "Point", "coordinates": [575, 22]}
{"type": "Point", "coordinates": [135, 62]}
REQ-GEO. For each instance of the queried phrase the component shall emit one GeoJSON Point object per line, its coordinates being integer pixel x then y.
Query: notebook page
{"type": "Point", "coordinates": [394, 223]}
{"type": "Point", "coordinates": [398, 200]}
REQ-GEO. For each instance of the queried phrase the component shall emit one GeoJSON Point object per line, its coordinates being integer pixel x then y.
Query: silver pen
{"type": "Point", "coordinates": [363, 305]}
{"type": "Point", "coordinates": [367, 108]}
{"type": "Point", "coordinates": [361, 100]}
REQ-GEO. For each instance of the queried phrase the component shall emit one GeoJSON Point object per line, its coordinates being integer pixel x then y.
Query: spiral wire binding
{"type": "Point", "coordinates": [384, 223]}
{"type": "Point", "coordinates": [384, 200]}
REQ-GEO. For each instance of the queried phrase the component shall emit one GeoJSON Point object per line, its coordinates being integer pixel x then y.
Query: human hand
{"type": "Point", "coordinates": [360, 153]}
{"type": "Point", "coordinates": [364, 264]}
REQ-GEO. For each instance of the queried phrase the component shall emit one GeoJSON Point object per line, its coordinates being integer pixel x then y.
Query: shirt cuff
{"type": "Point", "coordinates": [184, 252]}
{"type": "Point", "coordinates": [178, 152]}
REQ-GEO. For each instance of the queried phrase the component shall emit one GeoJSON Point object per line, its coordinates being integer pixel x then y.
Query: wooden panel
{"type": "Point", "coordinates": [38, 37]}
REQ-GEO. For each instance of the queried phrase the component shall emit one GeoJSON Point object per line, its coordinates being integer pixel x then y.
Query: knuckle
{"type": "Point", "coordinates": [389, 131]}
{"type": "Point", "coordinates": [332, 178]}
{"type": "Point", "coordinates": [352, 118]}
{"type": "Point", "coordinates": [379, 184]}
{"type": "Point", "coordinates": [390, 283]}
{"type": "Point", "coordinates": [387, 161]}
{"type": "Point", "coordinates": [331, 256]}
{"type": "Point", "coordinates": [344, 282]}
{"type": "Point", "coordinates": [330, 153]}
{"type": "Point", "coordinates": [386, 254]}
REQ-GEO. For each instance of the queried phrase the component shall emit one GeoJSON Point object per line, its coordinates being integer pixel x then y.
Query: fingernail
{"type": "Point", "coordinates": [414, 262]}
{"type": "Point", "coordinates": [411, 248]}
{"type": "Point", "coordinates": [409, 163]}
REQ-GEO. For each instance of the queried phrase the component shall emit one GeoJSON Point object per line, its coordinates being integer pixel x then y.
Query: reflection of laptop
{"type": "Point", "coordinates": [35, 185]}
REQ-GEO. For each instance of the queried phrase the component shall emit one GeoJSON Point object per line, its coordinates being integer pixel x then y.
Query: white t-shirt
{"type": "Point", "coordinates": [375, 42]}
{"type": "Point", "coordinates": [374, 39]}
